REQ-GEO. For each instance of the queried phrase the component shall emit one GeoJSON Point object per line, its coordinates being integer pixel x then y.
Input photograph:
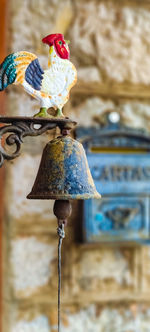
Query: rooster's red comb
{"type": "Point", "coordinates": [51, 38]}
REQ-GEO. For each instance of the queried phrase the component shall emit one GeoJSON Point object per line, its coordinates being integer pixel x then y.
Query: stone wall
{"type": "Point", "coordinates": [104, 288]}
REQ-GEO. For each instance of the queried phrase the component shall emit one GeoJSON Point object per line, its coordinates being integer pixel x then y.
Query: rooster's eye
{"type": "Point", "coordinates": [60, 42]}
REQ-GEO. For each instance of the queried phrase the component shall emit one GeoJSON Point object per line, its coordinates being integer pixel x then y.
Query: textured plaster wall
{"type": "Point", "coordinates": [110, 270]}
{"type": "Point", "coordinates": [134, 113]}
{"type": "Point", "coordinates": [109, 319]}
{"type": "Point", "coordinates": [23, 171]}
{"type": "Point", "coordinates": [36, 325]}
{"type": "Point", "coordinates": [105, 39]}
{"type": "Point", "coordinates": [105, 289]}
{"type": "Point", "coordinates": [31, 262]}
{"type": "Point", "coordinates": [93, 318]}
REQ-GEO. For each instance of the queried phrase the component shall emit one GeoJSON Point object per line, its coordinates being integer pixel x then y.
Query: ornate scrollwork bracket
{"type": "Point", "coordinates": [16, 128]}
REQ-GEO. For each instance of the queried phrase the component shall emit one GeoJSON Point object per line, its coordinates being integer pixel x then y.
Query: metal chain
{"type": "Point", "coordinates": [61, 234]}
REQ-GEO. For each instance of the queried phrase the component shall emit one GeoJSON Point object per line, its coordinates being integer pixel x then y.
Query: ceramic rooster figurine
{"type": "Point", "coordinates": [51, 87]}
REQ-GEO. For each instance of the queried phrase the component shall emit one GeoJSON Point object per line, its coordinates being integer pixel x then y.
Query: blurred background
{"type": "Point", "coordinates": [105, 288]}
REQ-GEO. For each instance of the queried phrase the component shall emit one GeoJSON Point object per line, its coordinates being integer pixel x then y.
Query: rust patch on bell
{"type": "Point", "coordinates": [64, 172]}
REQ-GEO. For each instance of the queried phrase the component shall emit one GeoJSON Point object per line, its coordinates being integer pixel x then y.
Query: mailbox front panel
{"type": "Point", "coordinates": [124, 214]}
{"type": "Point", "coordinates": [119, 160]}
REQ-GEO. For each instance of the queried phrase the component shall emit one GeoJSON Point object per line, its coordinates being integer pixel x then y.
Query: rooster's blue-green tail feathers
{"type": "Point", "coordinates": [8, 72]}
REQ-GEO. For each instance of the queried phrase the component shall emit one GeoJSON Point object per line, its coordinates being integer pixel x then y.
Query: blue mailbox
{"type": "Point", "coordinates": [119, 160]}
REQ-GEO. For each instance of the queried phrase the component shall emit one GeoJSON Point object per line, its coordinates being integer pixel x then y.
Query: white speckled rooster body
{"type": "Point", "coordinates": [51, 87]}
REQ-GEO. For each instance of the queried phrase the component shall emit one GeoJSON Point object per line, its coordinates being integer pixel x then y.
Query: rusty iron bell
{"type": "Point", "coordinates": [64, 173]}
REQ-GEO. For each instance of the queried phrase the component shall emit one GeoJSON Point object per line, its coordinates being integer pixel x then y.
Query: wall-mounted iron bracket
{"type": "Point", "coordinates": [16, 128]}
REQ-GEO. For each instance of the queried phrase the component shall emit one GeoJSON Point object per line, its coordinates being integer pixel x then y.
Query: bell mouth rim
{"type": "Point", "coordinates": [63, 196]}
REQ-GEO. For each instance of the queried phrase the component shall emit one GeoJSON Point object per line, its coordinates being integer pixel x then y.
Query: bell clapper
{"type": "Point", "coordinates": [62, 210]}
